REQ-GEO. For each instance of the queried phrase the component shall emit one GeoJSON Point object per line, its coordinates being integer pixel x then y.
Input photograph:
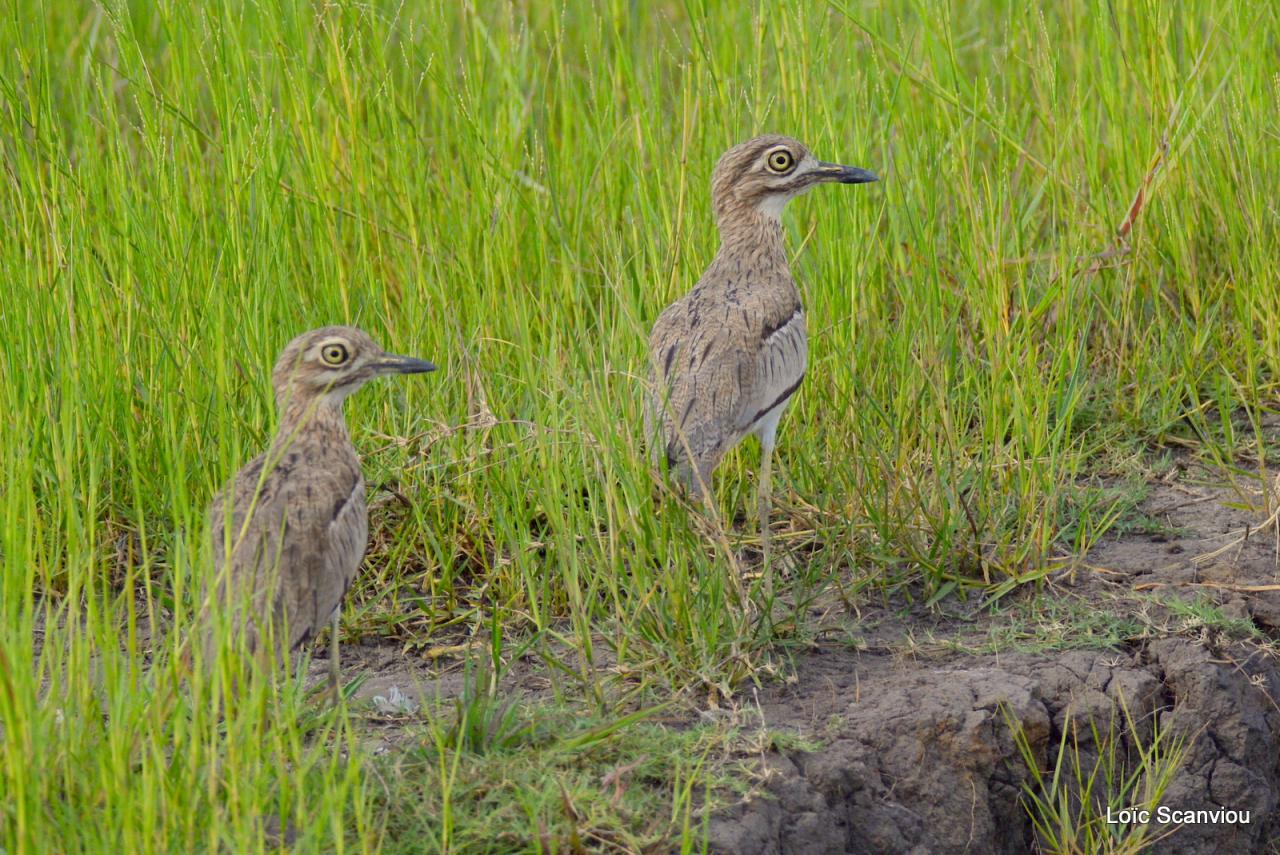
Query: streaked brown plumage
{"type": "Point", "coordinates": [290, 529]}
{"type": "Point", "coordinates": [727, 357]}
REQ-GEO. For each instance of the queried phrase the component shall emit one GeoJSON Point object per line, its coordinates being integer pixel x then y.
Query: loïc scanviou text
{"type": "Point", "coordinates": [1173, 816]}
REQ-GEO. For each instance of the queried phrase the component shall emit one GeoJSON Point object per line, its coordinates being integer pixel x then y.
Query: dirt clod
{"type": "Point", "coordinates": [916, 753]}
{"type": "Point", "coordinates": [923, 761]}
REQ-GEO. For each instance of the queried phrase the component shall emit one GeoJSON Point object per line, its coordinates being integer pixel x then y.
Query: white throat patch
{"type": "Point", "coordinates": [773, 204]}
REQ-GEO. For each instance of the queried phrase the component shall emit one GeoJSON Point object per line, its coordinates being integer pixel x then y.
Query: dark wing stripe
{"type": "Point", "coordinates": [771, 329]}
{"type": "Point", "coordinates": [666, 365]}
{"type": "Point", "coordinates": [688, 408]}
{"type": "Point", "coordinates": [786, 393]}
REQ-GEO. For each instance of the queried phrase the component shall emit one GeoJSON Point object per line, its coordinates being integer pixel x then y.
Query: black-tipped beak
{"type": "Point", "coordinates": [393, 364]}
{"type": "Point", "coordinates": [846, 174]}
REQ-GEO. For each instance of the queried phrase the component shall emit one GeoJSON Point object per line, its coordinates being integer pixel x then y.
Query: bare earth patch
{"type": "Point", "coordinates": [917, 756]}
{"type": "Point", "coordinates": [902, 711]}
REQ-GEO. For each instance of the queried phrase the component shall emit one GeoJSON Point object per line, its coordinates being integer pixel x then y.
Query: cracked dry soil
{"type": "Point", "coordinates": [922, 761]}
{"type": "Point", "coordinates": [916, 754]}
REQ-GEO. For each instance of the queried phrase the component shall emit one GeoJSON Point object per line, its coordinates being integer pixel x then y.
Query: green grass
{"type": "Point", "coordinates": [1098, 771]}
{"type": "Point", "coordinates": [515, 191]}
{"type": "Point", "coordinates": [1198, 614]}
{"type": "Point", "coordinates": [503, 776]}
{"type": "Point", "coordinates": [1053, 622]}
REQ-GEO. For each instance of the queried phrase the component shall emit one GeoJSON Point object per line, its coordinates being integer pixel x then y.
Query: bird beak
{"type": "Point", "coordinates": [390, 363]}
{"type": "Point", "coordinates": [845, 174]}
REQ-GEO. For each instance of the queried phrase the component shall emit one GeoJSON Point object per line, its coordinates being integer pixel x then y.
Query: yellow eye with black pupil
{"type": "Point", "coordinates": [333, 354]}
{"type": "Point", "coordinates": [780, 161]}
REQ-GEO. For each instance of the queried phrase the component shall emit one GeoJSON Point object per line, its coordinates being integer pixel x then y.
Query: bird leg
{"type": "Point", "coordinates": [335, 670]}
{"type": "Point", "coordinates": [766, 499]}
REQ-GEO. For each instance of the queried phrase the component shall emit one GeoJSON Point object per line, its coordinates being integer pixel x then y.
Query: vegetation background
{"type": "Point", "coordinates": [1071, 258]}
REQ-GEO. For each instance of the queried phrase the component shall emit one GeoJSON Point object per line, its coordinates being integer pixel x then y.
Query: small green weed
{"type": "Point", "coordinates": [1097, 773]}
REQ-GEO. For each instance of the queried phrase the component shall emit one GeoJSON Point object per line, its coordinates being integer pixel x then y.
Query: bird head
{"type": "Point", "coordinates": [761, 175]}
{"type": "Point", "coordinates": [333, 362]}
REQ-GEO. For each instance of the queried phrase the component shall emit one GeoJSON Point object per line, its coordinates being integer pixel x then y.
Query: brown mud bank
{"type": "Point", "coordinates": [1172, 620]}
{"type": "Point", "coordinates": [923, 760]}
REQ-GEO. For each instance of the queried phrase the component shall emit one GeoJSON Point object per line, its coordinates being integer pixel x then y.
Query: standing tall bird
{"type": "Point", "coordinates": [290, 530]}
{"type": "Point", "coordinates": [727, 357]}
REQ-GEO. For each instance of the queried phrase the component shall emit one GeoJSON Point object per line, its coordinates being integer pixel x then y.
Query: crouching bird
{"type": "Point", "coordinates": [290, 529]}
{"type": "Point", "coordinates": [727, 357]}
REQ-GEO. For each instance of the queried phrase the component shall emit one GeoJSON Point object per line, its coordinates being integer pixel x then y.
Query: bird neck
{"type": "Point", "coordinates": [747, 231]}
{"type": "Point", "coordinates": [318, 415]}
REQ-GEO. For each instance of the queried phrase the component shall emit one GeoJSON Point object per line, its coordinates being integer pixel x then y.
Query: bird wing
{"type": "Point", "coordinates": [780, 362]}
{"type": "Point", "coordinates": [329, 532]}
{"type": "Point", "coordinates": [716, 376]}
{"type": "Point", "coordinates": [348, 536]}
{"type": "Point", "coordinates": [247, 522]}
{"type": "Point", "coordinates": [303, 543]}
